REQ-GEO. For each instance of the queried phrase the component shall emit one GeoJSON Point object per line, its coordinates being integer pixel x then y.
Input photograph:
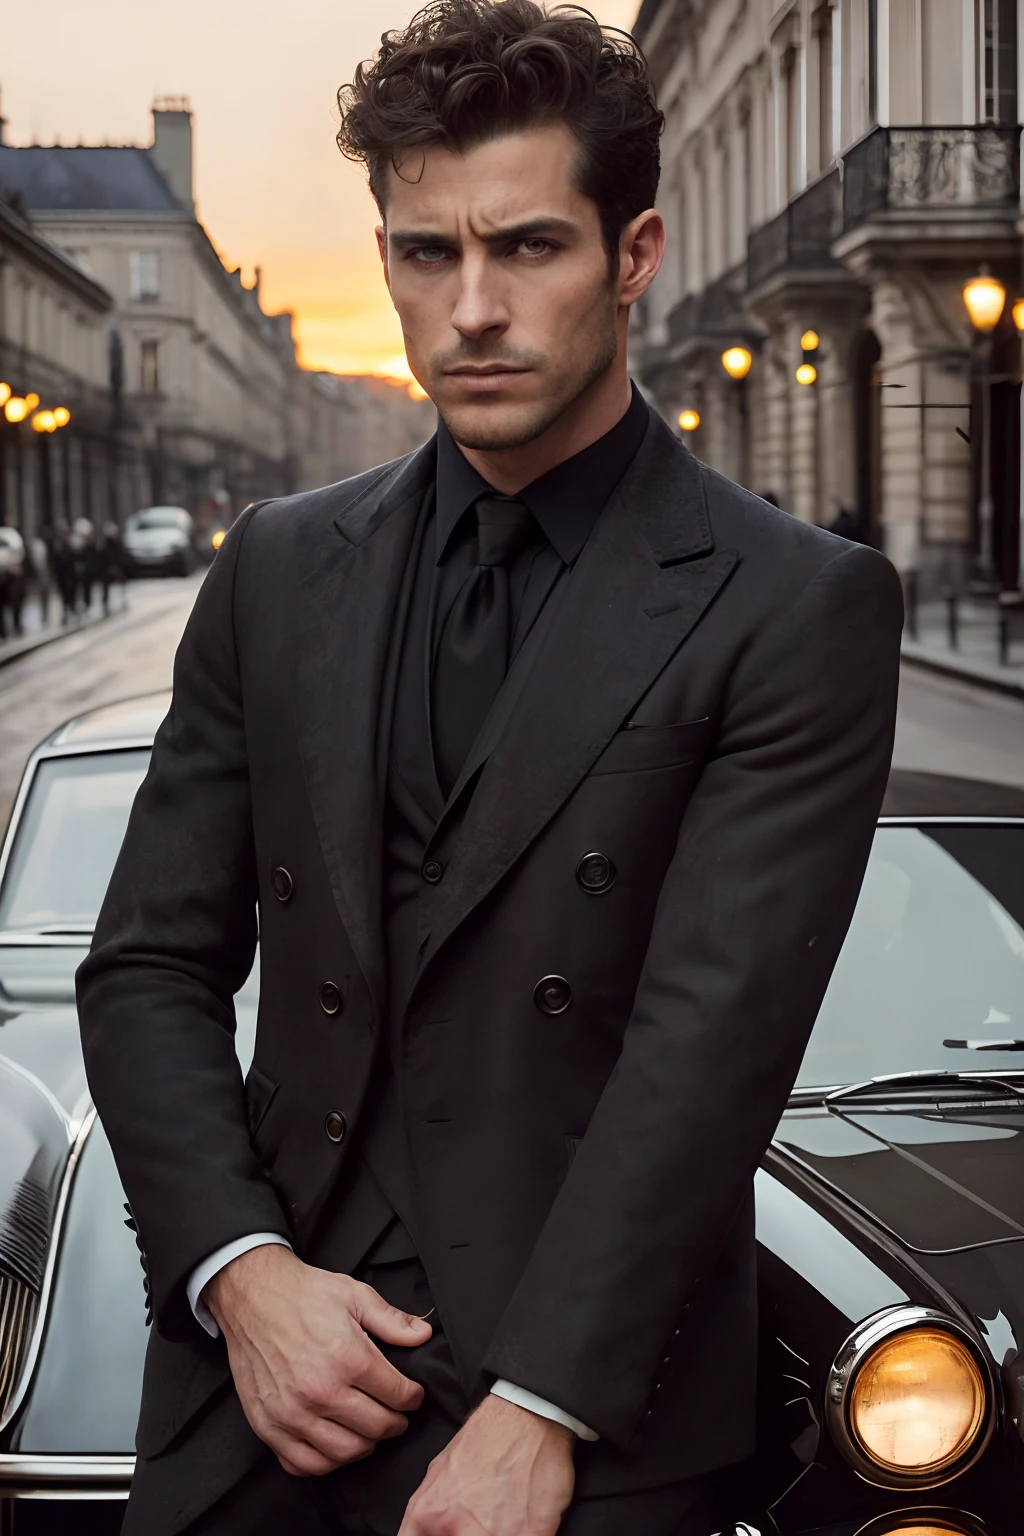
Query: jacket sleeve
{"type": "Point", "coordinates": [175, 940]}
{"type": "Point", "coordinates": [750, 921]}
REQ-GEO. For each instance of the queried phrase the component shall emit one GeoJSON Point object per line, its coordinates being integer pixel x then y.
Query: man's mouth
{"type": "Point", "coordinates": [484, 376]}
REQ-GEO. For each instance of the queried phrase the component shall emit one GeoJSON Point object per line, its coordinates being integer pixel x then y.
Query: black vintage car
{"type": "Point", "coordinates": [890, 1207]}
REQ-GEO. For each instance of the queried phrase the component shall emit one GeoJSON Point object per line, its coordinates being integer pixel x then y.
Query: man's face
{"type": "Point", "coordinates": [501, 280]}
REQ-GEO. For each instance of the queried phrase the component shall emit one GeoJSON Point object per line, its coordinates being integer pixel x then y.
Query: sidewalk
{"type": "Point", "coordinates": [975, 658]}
{"type": "Point", "coordinates": [40, 628]}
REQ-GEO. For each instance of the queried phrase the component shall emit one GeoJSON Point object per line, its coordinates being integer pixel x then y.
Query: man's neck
{"type": "Point", "coordinates": [593, 413]}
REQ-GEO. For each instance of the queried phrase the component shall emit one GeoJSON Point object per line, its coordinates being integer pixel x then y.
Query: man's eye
{"type": "Point", "coordinates": [535, 247]}
{"type": "Point", "coordinates": [430, 255]}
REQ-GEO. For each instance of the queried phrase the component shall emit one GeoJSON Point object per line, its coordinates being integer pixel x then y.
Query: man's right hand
{"type": "Point", "coordinates": [312, 1384]}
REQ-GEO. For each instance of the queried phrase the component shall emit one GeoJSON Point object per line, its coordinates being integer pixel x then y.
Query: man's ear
{"type": "Point", "coordinates": [641, 251]}
{"type": "Point", "coordinates": [382, 246]}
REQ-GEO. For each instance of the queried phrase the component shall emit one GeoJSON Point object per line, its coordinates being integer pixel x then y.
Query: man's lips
{"type": "Point", "coordinates": [486, 376]}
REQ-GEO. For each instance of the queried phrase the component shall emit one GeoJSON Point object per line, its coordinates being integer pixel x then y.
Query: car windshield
{"type": "Point", "coordinates": [158, 518]}
{"type": "Point", "coordinates": [68, 839]}
{"type": "Point", "coordinates": [935, 954]}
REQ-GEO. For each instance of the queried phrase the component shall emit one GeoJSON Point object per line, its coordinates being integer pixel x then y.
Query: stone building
{"type": "Point", "coordinates": [53, 354]}
{"type": "Point", "coordinates": [842, 168]}
{"type": "Point", "coordinates": [207, 404]}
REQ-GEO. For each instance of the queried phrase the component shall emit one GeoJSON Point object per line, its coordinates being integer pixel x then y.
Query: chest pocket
{"type": "Point", "coordinates": [646, 748]}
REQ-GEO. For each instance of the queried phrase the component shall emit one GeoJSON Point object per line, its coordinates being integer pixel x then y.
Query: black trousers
{"type": "Point", "coordinates": [369, 1497]}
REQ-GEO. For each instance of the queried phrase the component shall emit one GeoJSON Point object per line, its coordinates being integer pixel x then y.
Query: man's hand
{"type": "Point", "coordinates": [313, 1386]}
{"type": "Point", "coordinates": [507, 1472]}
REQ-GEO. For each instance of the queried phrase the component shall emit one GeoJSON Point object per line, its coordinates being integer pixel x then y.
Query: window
{"type": "Point", "coordinates": [144, 274]}
{"type": "Point", "coordinates": [150, 367]}
{"type": "Point", "coordinates": [1000, 82]}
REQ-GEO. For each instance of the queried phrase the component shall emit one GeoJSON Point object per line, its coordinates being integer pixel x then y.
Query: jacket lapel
{"type": "Point", "coordinates": [647, 573]}
{"type": "Point", "coordinates": [351, 581]}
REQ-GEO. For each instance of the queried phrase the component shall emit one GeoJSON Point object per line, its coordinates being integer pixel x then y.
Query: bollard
{"type": "Point", "coordinates": [952, 622]}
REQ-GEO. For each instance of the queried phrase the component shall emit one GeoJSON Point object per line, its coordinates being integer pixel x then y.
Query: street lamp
{"type": "Point", "coordinates": [736, 361]}
{"type": "Point", "coordinates": [806, 373]}
{"type": "Point", "coordinates": [985, 299]}
{"type": "Point", "coordinates": [16, 408]}
{"type": "Point", "coordinates": [5, 393]}
{"type": "Point", "coordinates": [689, 421]}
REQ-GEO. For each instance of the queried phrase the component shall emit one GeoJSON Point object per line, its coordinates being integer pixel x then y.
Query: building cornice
{"type": "Point", "coordinates": [15, 233]}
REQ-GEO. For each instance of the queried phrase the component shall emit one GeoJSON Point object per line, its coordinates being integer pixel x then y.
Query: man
{"type": "Point", "coordinates": [550, 760]}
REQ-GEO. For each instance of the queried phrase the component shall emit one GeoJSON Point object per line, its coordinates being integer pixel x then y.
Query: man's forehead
{"type": "Point", "coordinates": [504, 181]}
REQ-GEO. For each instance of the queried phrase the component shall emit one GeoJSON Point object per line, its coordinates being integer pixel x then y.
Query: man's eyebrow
{"type": "Point", "coordinates": [529, 229]}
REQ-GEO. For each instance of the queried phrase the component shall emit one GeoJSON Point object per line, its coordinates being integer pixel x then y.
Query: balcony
{"type": "Point", "coordinates": [798, 239]}
{"type": "Point", "coordinates": [932, 171]}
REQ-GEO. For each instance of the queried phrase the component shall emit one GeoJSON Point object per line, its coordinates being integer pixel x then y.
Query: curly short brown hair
{"type": "Point", "coordinates": [465, 71]}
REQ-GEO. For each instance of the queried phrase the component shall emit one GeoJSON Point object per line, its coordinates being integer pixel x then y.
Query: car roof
{"type": "Point", "coordinates": [134, 720]}
{"type": "Point", "coordinates": [908, 793]}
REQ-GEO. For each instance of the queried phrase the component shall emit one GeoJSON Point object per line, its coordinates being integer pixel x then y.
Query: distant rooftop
{"type": "Point", "coordinates": [55, 178]}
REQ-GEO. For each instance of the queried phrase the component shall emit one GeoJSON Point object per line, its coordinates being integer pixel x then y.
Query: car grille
{"type": "Point", "coordinates": [18, 1305]}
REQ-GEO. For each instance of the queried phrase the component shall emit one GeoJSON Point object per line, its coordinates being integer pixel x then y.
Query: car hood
{"type": "Point", "coordinates": [940, 1178]}
{"type": "Point", "coordinates": [154, 539]}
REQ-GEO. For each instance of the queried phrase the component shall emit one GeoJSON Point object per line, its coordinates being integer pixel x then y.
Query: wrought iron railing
{"type": "Point", "coordinates": [800, 236]}
{"type": "Point", "coordinates": [932, 170]}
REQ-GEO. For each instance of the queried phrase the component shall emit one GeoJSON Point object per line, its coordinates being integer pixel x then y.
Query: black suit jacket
{"type": "Point", "coordinates": [712, 708]}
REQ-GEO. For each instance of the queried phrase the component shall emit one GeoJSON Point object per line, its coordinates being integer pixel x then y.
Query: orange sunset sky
{"type": "Point", "coordinates": [271, 187]}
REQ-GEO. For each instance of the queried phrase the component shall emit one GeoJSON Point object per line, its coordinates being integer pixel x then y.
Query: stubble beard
{"type": "Point", "coordinates": [492, 437]}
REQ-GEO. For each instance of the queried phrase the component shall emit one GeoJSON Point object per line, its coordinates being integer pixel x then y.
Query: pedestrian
{"type": "Point", "coordinates": [63, 563]}
{"type": "Point", "coordinates": [12, 581]}
{"type": "Point", "coordinates": [550, 761]}
{"type": "Point", "coordinates": [39, 569]}
{"type": "Point", "coordinates": [111, 564]}
{"type": "Point", "coordinates": [86, 563]}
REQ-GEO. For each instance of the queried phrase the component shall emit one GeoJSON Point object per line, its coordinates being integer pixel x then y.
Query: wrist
{"type": "Point", "coordinates": [231, 1286]}
{"type": "Point", "coordinates": [520, 1420]}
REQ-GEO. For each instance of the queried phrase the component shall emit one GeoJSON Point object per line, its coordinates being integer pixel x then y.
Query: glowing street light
{"type": "Point", "coordinates": [984, 297]}
{"type": "Point", "coordinates": [44, 421]}
{"type": "Point", "coordinates": [736, 361]}
{"type": "Point", "coordinates": [62, 415]}
{"type": "Point", "coordinates": [5, 393]}
{"type": "Point", "coordinates": [806, 373]}
{"type": "Point", "coordinates": [810, 341]}
{"type": "Point", "coordinates": [689, 421]}
{"type": "Point", "coordinates": [31, 401]}
{"type": "Point", "coordinates": [1017, 312]}
{"type": "Point", "coordinates": [16, 408]}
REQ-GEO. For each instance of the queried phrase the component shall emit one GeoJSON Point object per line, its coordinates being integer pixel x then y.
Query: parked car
{"type": "Point", "coordinates": [160, 539]}
{"type": "Point", "coordinates": [890, 1207]}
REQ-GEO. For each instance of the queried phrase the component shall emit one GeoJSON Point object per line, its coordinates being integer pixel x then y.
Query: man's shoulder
{"type": "Point", "coordinates": [328, 502]}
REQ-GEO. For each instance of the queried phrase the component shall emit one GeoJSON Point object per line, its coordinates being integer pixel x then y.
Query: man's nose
{"type": "Point", "coordinates": [480, 305]}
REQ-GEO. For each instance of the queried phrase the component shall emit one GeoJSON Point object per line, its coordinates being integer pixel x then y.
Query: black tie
{"type": "Point", "coordinates": [472, 656]}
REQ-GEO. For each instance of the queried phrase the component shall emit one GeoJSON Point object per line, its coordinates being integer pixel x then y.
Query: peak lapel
{"type": "Point", "coordinates": [642, 582]}
{"type": "Point", "coordinates": [352, 570]}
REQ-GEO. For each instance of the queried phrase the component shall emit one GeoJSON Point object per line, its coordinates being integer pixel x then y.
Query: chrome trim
{"type": "Point", "coordinates": [32, 1356]}
{"type": "Point", "coordinates": [844, 1370]}
{"type": "Point", "coordinates": [18, 1467]}
{"type": "Point", "coordinates": [954, 821]}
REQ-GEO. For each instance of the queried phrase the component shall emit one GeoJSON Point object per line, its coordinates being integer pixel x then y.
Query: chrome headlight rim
{"type": "Point", "coordinates": [854, 1352]}
{"type": "Point", "coordinates": [954, 1521]}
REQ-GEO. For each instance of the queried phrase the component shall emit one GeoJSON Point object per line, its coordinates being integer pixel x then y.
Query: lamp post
{"type": "Point", "coordinates": [1018, 319]}
{"type": "Point", "coordinates": [984, 298]}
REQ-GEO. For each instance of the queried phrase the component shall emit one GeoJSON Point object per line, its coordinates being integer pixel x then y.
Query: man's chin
{"type": "Point", "coordinates": [493, 427]}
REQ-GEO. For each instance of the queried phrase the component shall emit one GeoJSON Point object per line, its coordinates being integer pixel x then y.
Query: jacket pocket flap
{"type": "Point", "coordinates": [642, 747]}
{"type": "Point", "coordinates": [259, 1094]}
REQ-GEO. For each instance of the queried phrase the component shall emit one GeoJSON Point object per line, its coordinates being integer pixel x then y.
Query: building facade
{"type": "Point", "coordinates": [206, 405]}
{"type": "Point", "coordinates": [834, 172]}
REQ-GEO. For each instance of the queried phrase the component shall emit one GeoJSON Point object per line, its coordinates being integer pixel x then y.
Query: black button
{"type": "Point", "coordinates": [432, 872]}
{"type": "Point", "coordinates": [330, 997]}
{"type": "Point", "coordinates": [334, 1125]}
{"type": "Point", "coordinates": [595, 873]}
{"type": "Point", "coordinates": [282, 883]}
{"type": "Point", "coordinates": [552, 994]}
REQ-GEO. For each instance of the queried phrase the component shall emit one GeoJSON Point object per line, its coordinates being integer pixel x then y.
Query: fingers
{"type": "Point", "coordinates": [317, 1447]}
{"type": "Point", "coordinates": [379, 1379]}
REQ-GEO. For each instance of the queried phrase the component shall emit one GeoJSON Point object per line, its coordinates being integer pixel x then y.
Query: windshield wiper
{"type": "Point", "coordinates": [984, 1045]}
{"type": "Point", "coordinates": [924, 1080]}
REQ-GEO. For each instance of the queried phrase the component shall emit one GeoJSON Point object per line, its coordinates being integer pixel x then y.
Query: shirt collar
{"type": "Point", "coordinates": [566, 501]}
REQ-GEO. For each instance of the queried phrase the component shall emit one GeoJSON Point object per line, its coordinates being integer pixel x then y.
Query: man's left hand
{"type": "Point", "coordinates": [508, 1472]}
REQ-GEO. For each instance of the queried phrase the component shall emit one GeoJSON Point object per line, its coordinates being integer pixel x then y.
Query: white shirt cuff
{"type": "Point", "coordinates": [523, 1399]}
{"type": "Point", "coordinates": [204, 1272]}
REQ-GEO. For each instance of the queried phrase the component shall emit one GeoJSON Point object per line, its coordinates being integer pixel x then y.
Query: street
{"type": "Point", "coordinates": [944, 726]}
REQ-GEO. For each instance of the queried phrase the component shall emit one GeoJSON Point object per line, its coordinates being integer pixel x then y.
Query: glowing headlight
{"type": "Point", "coordinates": [908, 1399]}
